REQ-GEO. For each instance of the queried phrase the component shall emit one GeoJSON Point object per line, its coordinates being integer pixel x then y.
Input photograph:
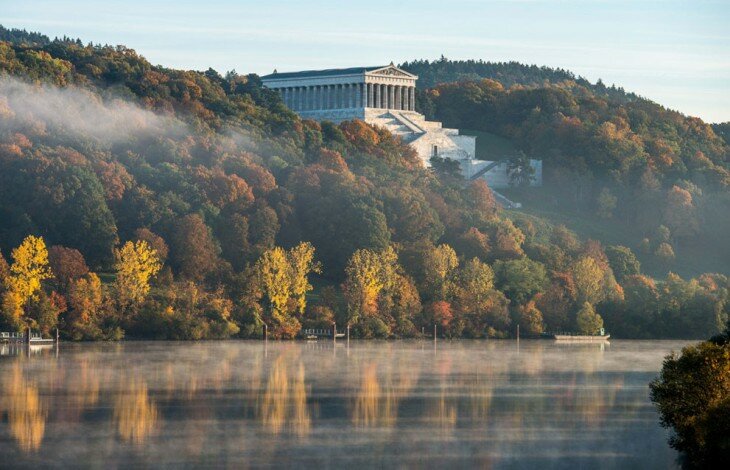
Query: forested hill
{"type": "Point", "coordinates": [648, 175]}
{"type": "Point", "coordinates": [509, 74]}
{"type": "Point", "coordinates": [150, 202]}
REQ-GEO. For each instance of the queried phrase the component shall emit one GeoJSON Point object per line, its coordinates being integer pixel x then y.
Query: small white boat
{"type": "Point", "coordinates": [581, 338]}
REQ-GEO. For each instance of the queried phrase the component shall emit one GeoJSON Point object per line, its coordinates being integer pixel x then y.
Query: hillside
{"type": "Point", "coordinates": [610, 157]}
{"type": "Point", "coordinates": [150, 202]}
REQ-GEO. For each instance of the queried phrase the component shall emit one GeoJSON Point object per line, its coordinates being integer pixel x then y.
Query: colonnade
{"type": "Point", "coordinates": [350, 95]}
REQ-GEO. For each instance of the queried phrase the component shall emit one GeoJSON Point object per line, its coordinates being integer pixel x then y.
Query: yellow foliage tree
{"type": "Point", "coordinates": [136, 264]}
{"type": "Point", "coordinates": [589, 280]}
{"type": "Point", "coordinates": [438, 265]}
{"type": "Point", "coordinates": [274, 275]}
{"type": "Point", "coordinates": [368, 273]}
{"type": "Point", "coordinates": [12, 310]}
{"type": "Point", "coordinates": [301, 260]}
{"type": "Point", "coordinates": [283, 277]}
{"type": "Point", "coordinates": [30, 267]}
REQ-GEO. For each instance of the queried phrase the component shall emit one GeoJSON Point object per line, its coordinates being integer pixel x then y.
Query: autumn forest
{"type": "Point", "coordinates": [138, 201]}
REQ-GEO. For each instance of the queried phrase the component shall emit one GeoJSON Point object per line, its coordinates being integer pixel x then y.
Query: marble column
{"type": "Point", "coordinates": [398, 97]}
{"type": "Point", "coordinates": [412, 98]}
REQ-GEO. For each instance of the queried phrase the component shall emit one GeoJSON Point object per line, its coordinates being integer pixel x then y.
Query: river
{"type": "Point", "coordinates": [487, 404]}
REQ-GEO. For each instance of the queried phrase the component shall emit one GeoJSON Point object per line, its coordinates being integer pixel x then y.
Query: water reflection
{"type": "Point", "coordinates": [477, 403]}
{"type": "Point", "coordinates": [135, 414]}
{"type": "Point", "coordinates": [284, 401]}
{"type": "Point", "coordinates": [26, 412]}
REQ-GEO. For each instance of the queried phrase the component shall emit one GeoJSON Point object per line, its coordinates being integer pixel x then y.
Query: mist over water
{"type": "Point", "coordinates": [497, 404]}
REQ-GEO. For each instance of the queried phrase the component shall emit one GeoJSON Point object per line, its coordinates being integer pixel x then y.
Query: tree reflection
{"type": "Point", "coordinates": [134, 412]}
{"type": "Point", "coordinates": [377, 399]}
{"type": "Point", "coordinates": [26, 410]}
{"type": "Point", "coordinates": [284, 402]}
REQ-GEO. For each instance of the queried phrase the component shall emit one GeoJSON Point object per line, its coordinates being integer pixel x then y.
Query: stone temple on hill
{"type": "Point", "coordinates": [384, 96]}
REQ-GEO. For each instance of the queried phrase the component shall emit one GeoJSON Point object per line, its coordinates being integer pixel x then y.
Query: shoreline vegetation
{"type": "Point", "coordinates": [692, 395]}
{"type": "Point", "coordinates": [138, 201]}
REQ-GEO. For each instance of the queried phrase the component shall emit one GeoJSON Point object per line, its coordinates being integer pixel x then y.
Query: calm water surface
{"type": "Point", "coordinates": [485, 404]}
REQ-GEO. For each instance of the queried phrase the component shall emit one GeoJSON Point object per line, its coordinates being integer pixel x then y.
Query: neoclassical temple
{"type": "Point", "coordinates": [384, 96]}
{"type": "Point", "coordinates": [339, 94]}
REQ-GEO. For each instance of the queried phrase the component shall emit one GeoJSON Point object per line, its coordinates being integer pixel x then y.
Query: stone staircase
{"type": "Point", "coordinates": [398, 124]}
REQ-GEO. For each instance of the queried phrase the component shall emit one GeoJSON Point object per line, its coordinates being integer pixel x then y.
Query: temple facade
{"type": "Point", "coordinates": [384, 96]}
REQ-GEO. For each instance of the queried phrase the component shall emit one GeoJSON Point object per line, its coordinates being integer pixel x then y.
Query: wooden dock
{"type": "Point", "coordinates": [316, 333]}
{"type": "Point", "coordinates": [27, 338]}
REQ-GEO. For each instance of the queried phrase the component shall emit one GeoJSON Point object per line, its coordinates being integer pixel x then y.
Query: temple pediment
{"type": "Point", "coordinates": [392, 71]}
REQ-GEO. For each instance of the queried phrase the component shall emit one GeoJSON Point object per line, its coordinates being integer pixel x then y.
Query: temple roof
{"type": "Point", "coordinates": [323, 73]}
{"type": "Point", "coordinates": [390, 70]}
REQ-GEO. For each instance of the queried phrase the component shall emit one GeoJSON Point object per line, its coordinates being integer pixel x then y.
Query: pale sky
{"type": "Point", "coordinates": [674, 52]}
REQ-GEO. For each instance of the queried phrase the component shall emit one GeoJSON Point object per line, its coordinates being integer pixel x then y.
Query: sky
{"type": "Point", "coordinates": [676, 53]}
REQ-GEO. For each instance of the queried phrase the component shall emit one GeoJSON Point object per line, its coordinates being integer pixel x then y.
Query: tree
{"type": "Point", "coordinates": [520, 170]}
{"type": "Point", "coordinates": [587, 321]}
{"type": "Point", "coordinates": [284, 281]}
{"type": "Point", "coordinates": [530, 319]}
{"type": "Point", "coordinates": [12, 311]}
{"type": "Point", "coordinates": [680, 214]}
{"type": "Point", "coordinates": [4, 272]}
{"type": "Point", "coordinates": [482, 198]}
{"type": "Point", "coordinates": [521, 278]}
{"type": "Point", "coordinates": [85, 300]}
{"type": "Point", "coordinates": [623, 262]}
{"type": "Point", "coordinates": [67, 264]}
{"type": "Point", "coordinates": [42, 312]}
{"type": "Point", "coordinates": [593, 284]}
{"type": "Point", "coordinates": [136, 264]}
{"type": "Point", "coordinates": [692, 394]}
{"type": "Point", "coordinates": [606, 203]}
{"type": "Point", "coordinates": [438, 265]}
{"type": "Point", "coordinates": [474, 244]}
{"type": "Point", "coordinates": [301, 259]}
{"type": "Point", "coordinates": [367, 274]}
{"type": "Point", "coordinates": [155, 242]}
{"type": "Point", "coordinates": [482, 309]}
{"type": "Point", "coordinates": [664, 253]}
{"type": "Point", "coordinates": [30, 267]}
{"type": "Point", "coordinates": [193, 251]}
{"type": "Point", "coordinates": [441, 313]}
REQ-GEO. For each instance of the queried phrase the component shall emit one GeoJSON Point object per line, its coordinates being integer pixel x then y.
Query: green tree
{"type": "Point", "coordinates": [692, 394]}
{"type": "Point", "coordinates": [521, 278]}
{"type": "Point", "coordinates": [623, 262]}
{"type": "Point", "coordinates": [587, 320]}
